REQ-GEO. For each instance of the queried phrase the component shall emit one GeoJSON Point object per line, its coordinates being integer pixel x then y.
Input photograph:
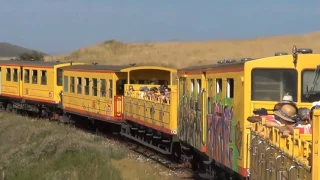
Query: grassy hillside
{"type": "Point", "coordinates": [9, 50]}
{"type": "Point", "coordinates": [181, 54]}
{"type": "Point", "coordinates": [38, 149]}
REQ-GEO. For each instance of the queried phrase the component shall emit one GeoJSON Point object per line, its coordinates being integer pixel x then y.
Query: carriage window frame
{"type": "Point", "coordinates": [87, 86]}
{"type": "Point", "coordinates": [219, 85]}
{"type": "Point", "coordinates": [103, 88]}
{"type": "Point", "coordinates": [72, 82]}
{"type": "Point", "coordinates": [110, 88]}
{"type": "Point", "coordinates": [65, 83]}
{"type": "Point", "coordinates": [230, 88]}
{"type": "Point", "coordinates": [294, 95]}
{"type": "Point", "coordinates": [94, 87]}
{"type": "Point", "coordinates": [8, 74]}
{"type": "Point", "coordinates": [59, 77]}
{"type": "Point", "coordinates": [302, 96]}
{"type": "Point", "coordinates": [26, 75]}
{"type": "Point", "coordinates": [35, 75]}
{"type": "Point", "coordinates": [79, 85]}
{"type": "Point", "coordinates": [44, 77]}
{"type": "Point", "coordinates": [15, 75]}
{"type": "Point", "coordinates": [211, 91]}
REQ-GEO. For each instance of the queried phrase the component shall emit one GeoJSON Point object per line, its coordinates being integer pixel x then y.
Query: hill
{"type": "Point", "coordinates": [10, 50]}
{"type": "Point", "coordinates": [181, 54]}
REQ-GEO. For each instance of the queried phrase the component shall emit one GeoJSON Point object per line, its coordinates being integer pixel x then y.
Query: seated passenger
{"type": "Point", "coordinates": [304, 122]}
{"type": "Point", "coordinates": [152, 93]}
{"type": "Point", "coordinates": [287, 99]}
{"type": "Point", "coordinates": [130, 90]}
{"type": "Point", "coordinates": [287, 117]}
{"type": "Point", "coordinates": [144, 93]}
{"type": "Point", "coordinates": [166, 96]}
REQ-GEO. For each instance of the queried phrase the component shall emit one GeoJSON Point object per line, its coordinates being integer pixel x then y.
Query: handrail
{"type": "Point", "coordinates": [296, 146]}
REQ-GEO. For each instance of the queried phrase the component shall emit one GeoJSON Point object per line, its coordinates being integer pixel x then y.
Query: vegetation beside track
{"type": "Point", "coordinates": [38, 149]}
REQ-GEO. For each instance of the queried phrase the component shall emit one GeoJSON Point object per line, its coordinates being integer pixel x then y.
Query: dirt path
{"type": "Point", "coordinates": [137, 167]}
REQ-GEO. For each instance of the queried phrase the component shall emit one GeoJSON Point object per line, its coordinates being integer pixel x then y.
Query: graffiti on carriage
{"type": "Point", "coordinates": [190, 121]}
{"type": "Point", "coordinates": [221, 145]}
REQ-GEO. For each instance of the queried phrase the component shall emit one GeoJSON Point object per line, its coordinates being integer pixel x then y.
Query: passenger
{"type": "Point", "coordinates": [131, 90]}
{"type": "Point", "coordinates": [145, 91]}
{"type": "Point", "coordinates": [287, 99]}
{"type": "Point", "coordinates": [287, 117]}
{"type": "Point", "coordinates": [166, 97]}
{"type": "Point", "coordinates": [152, 94]}
{"type": "Point", "coordinates": [304, 122]}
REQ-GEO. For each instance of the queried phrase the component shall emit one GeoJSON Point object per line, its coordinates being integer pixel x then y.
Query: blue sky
{"type": "Point", "coordinates": [59, 26]}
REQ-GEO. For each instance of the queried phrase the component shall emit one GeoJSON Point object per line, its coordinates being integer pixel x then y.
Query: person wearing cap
{"type": "Point", "coordinates": [288, 117]}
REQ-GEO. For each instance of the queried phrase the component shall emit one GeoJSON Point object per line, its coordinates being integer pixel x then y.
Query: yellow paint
{"type": "Point", "coordinates": [77, 96]}
{"type": "Point", "coordinates": [35, 88]}
{"type": "Point", "coordinates": [9, 84]}
{"type": "Point", "coordinates": [151, 112]}
{"type": "Point", "coordinates": [305, 61]}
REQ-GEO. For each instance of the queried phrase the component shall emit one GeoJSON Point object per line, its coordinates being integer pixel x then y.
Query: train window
{"type": "Point", "coordinates": [308, 86]}
{"type": "Point", "coordinates": [59, 77]}
{"type": "Point", "coordinates": [44, 77]}
{"type": "Point", "coordinates": [120, 86]}
{"type": "Point", "coordinates": [210, 94]}
{"type": "Point", "coordinates": [103, 87]}
{"type": "Point", "coordinates": [199, 85]}
{"type": "Point", "coordinates": [273, 84]}
{"type": "Point", "coordinates": [86, 86]}
{"type": "Point", "coordinates": [184, 86]}
{"type": "Point", "coordinates": [34, 76]}
{"type": "Point", "coordinates": [8, 75]}
{"type": "Point", "coordinates": [26, 75]}
{"type": "Point", "coordinates": [94, 87]}
{"type": "Point", "coordinates": [15, 75]}
{"type": "Point", "coordinates": [79, 85]}
{"type": "Point", "coordinates": [65, 83]}
{"type": "Point", "coordinates": [192, 86]}
{"type": "Point", "coordinates": [218, 85]}
{"type": "Point", "coordinates": [72, 84]}
{"type": "Point", "coordinates": [230, 88]}
{"type": "Point", "coordinates": [110, 89]}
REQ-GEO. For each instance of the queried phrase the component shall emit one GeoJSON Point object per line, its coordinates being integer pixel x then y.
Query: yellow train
{"type": "Point", "coordinates": [197, 113]}
{"type": "Point", "coordinates": [215, 101]}
{"type": "Point", "coordinates": [32, 86]}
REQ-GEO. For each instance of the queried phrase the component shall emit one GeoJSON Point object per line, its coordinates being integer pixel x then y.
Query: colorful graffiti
{"type": "Point", "coordinates": [221, 132]}
{"type": "Point", "coordinates": [190, 121]}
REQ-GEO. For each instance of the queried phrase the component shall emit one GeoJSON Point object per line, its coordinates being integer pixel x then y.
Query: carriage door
{"type": "Point", "coordinates": [182, 107]}
{"type": "Point", "coordinates": [118, 98]}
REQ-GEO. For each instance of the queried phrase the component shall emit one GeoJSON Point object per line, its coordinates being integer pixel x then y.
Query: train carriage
{"type": "Point", "coordinates": [151, 120]}
{"type": "Point", "coordinates": [94, 91]}
{"type": "Point", "coordinates": [31, 85]}
{"type": "Point", "coordinates": [231, 91]}
{"type": "Point", "coordinates": [101, 92]}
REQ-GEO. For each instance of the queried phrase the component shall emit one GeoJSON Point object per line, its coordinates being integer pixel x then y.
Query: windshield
{"type": "Point", "coordinates": [309, 88]}
{"type": "Point", "coordinates": [273, 84]}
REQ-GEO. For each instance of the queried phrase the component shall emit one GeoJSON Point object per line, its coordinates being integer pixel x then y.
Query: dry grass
{"type": "Point", "coordinates": [35, 149]}
{"type": "Point", "coordinates": [181, 54]}
{"type": "Point", "coordinates": [6, 58]}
